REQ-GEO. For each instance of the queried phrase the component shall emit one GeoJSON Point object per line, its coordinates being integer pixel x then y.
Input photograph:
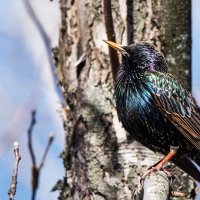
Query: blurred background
{"type": "Point", "coordinates": [26, 83]}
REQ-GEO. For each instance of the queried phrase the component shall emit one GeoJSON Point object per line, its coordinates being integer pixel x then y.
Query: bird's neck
{"type": "Point", "coordinates": [127, 72]}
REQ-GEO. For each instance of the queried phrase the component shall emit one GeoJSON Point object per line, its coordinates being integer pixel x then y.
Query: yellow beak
{"type": "Point", "coordinates": [114, 45]}
{"type": "Point", "coordinates": [117, 47]}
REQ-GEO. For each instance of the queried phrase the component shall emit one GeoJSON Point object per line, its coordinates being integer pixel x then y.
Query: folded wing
{"type": "Point", "coordinates": [176, 104]}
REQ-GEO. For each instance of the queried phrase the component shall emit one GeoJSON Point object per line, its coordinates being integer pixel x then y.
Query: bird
{"type": "Point", "coordinates": [155, 108]}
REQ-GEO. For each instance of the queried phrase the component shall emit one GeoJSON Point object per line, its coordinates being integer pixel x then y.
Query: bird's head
{"type": "Point", "coordinates": [141, 56]}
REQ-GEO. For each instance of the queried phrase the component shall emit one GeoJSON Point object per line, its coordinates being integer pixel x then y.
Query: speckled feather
{"type": "Point", "coordinates": [154, 107]}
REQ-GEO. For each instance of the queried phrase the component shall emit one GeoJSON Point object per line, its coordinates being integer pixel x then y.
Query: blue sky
{"type": "Point", "coordinates": [196, 49]}
{"type": "Point", "coordinates": [26, 83]}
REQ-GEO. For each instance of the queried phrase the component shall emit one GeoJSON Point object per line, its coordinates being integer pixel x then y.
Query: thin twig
{"type": "Point", "coordinates": [45, 39]}
{"type": "Point", "coordinates": [114, 60]}
{"type": "Point", "coordinates": [36, 170]}
{"type": "Point", "coordinates": [50, 140]}
{"type": "Point", "coordinates": [41, 30]}
{"type": "Point", "coordinates": [30, 130]}
{"type": "Point", "coordinates": [13, 186]}
{"type": "Point", "coordinates": [30, 147]}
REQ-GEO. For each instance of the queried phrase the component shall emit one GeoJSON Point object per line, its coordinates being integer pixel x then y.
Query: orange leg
{"type": "Point", "coordinates": [172, 152]}
{"type": "Point", "coordinates": [160, 164]}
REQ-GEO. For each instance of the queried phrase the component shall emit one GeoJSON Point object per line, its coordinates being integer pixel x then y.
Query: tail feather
{"type": "Point", "coordinates": [188, 166]}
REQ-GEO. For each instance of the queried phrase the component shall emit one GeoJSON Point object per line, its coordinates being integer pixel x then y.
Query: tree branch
{"type": "Point", "coordinates": [13, 186]}
{"type": "Point", "coordinates": [50, 140]}
{"type": "Point", "coordinates": [114, 60]}
{"type": "Point", "coordinates": [45, 39]}
{"type": "Point", "coordinates": [30, 130]}
{"type": "Point", "coordinates": [155, 186]}
{"type": "Point", "coordinates": [36, 170]}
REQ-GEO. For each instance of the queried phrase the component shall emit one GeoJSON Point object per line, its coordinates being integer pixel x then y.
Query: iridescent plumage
{"type": "Point", "coordinates": [154, 107]}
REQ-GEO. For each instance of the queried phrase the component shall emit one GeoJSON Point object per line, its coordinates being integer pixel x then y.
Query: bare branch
{"type": "Point", "coordinates": [50, 140]}
{"type": "Point", "coordinates": [45, 39]}
{"type": "Point", "coordinates": [36, 170]}
{"type": "Point", "coordinates": [114, 60]}
{"type": "Point", "coordinates": [41, 30]}
{"type": "Point", "coordinates": [30, 130]}
{"type": "Point", "coordinates": [13, 186]}
{"type": "Point", "coordinates": [155, 186]}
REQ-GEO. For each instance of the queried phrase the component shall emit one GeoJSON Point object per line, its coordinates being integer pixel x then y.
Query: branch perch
{"type": "Point", "coordinates": [155, 187]}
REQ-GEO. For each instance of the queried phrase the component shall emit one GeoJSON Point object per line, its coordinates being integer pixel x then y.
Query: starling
{"type": "Point", "coordinates": [155, 108]}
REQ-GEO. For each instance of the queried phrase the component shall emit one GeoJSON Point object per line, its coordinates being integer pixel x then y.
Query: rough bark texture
{"type": "Point", "coordinates": [176, 38]}
{"type": "Point", "coordinates": [167, 24]}
{"type": "Point", "coordinates": [154, 191]}
{"type": "Point", "coordinates": [101, 160]}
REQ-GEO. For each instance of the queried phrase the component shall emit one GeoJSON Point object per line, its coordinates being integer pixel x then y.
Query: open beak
{"type": "Point", "coordinates": [117, 47]}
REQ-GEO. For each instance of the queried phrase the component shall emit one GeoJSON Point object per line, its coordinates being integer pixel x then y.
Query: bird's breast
{"type": "Point", "coordinates": [134, 103]}
{"type": "Point", "coordinates": [139, 116]}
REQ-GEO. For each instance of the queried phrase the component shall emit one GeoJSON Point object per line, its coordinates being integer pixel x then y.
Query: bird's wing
{"type": "Point", "coordinates": [176, 104]}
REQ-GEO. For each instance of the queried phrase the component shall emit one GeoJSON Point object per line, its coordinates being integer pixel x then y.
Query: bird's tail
{"type": "Point", "coordinates": [188, 166]}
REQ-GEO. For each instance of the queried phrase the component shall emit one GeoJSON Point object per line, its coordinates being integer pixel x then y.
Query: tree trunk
{"type": "Point", "coordinates": [101, 160]}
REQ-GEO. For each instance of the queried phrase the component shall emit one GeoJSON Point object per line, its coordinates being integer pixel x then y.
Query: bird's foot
{"type": "Point", "coordinates": [153, 169]}
{"type": "Point", "coordinates": [150, 170]}
{"type": "Point", "coordinates": [158, 166]}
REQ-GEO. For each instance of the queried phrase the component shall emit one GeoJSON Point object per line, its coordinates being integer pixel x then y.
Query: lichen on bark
{"type": "Point", "coordinates": [101, 160]}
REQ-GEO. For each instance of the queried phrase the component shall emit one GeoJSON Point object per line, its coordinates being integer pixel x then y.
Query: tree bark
{"type": "Point", "coordinates": [101, 160]}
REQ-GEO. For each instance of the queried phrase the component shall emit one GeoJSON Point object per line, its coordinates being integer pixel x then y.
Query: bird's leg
{"type": "Point", "coordinates": [156, 167]}
{"type": "Point", "coordinates": [159, 165]}
{"type": "Point", "coordinates": [173, 151]}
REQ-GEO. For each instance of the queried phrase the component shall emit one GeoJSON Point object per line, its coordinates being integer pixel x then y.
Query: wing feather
{"type": "Point", "coordinates": [176, 104]}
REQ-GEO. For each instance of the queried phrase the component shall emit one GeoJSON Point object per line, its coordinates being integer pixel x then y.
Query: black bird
{"type": "Point", "coordinates": [155, 108]}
